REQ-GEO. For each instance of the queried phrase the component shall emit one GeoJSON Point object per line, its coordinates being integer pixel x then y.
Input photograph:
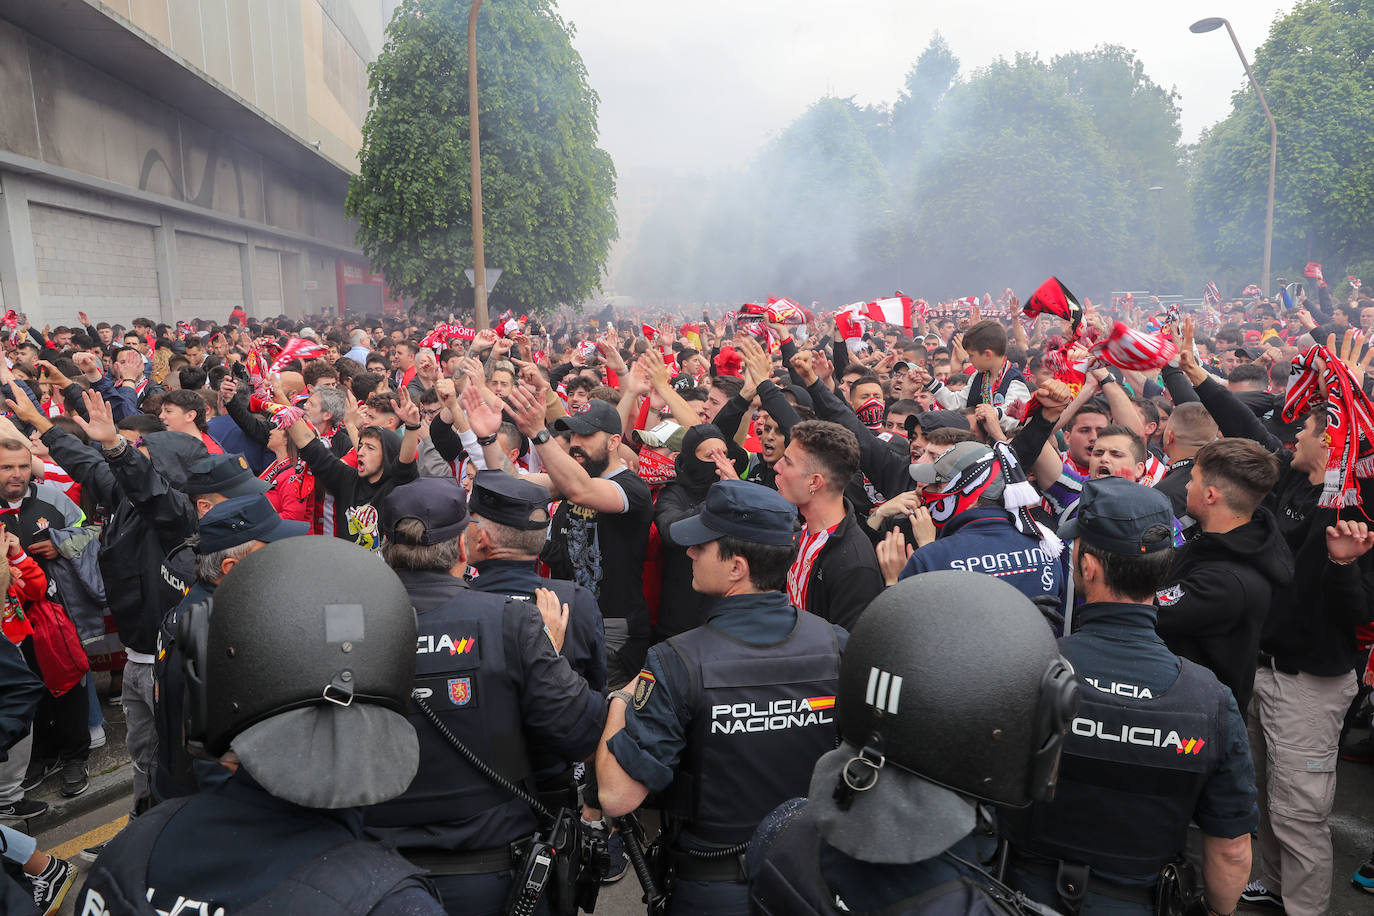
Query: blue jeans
{"type": "Point", "coordinates": [16, 847]}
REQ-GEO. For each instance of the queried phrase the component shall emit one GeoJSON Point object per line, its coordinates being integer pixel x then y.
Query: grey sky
{"type": "Point", "coordinates": [699, 86]}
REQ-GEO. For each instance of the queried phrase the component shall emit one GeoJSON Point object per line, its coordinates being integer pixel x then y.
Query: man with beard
{"type": "Point", "coordinates": [601, 531]}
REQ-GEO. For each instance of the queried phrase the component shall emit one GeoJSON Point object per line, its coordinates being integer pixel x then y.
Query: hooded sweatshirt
{"type": "Point", "coordinates": [1213, 606]}
{"type": "Point", "coordinates": [356, 499]}
{"type": "Point", "coordinates": [680, 608]}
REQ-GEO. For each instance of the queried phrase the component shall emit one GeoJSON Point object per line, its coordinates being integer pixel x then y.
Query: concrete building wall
{"type": "Point", "coordinates": [93, 264]}
{"type": "Point", "coordinates": [174, 158]}
{"type": "Point", "coordinates": [210, 275]}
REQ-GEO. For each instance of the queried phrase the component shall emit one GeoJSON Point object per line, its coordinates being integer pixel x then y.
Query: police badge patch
{"type": "Point", "coordinates": [643, 687]}
{"type": "Point", "coordinates": [1168, 597]}
{"type": "Point", "coordinates": [460, 690]}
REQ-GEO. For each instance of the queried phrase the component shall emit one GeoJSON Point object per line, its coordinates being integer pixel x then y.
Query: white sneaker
{"type": "Point", "coordinates": [97, 737]}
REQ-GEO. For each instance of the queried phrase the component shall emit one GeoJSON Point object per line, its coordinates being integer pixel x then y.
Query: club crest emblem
{"type": "Point", "coordinates": [460, 690]}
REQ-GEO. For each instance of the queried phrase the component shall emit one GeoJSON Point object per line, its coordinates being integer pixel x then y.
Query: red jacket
{"type": "Point", "coordinates": [27, 583]}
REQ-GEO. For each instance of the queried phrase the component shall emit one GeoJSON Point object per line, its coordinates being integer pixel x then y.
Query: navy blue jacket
{"type": "Point", "coordinates": [986, 541]}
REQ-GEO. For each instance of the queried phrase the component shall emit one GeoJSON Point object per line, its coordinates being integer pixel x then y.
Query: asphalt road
{"type": "Point", "coordinates": [1352, 829]}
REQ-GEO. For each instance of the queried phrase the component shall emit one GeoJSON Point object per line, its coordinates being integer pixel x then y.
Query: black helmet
{"type": "Point", "coordinates": [303, 662]}
{"type": "Point", "coordinates": [952, 689]}
{"type": "Point", "coordinates": [955, 676]}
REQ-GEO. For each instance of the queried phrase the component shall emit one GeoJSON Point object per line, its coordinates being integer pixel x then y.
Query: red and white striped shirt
{"type": "Point", "coordinates": [799, 576]}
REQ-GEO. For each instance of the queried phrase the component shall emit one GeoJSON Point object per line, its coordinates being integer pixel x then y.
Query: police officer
{"type": "Point", "coordinates": [486, 667]}
{"type": "Point", "coordinates": [298, 671]}
{"type": "Point", "coordinates": [727, 718]}
{"type": "Point", "coordinates": [510, 517]}
{"type": "Point", "coordinates": [229, 532]}
{"type": "Point", "coordinates": [951, 692]}
{"type": "Point", "coordinates": [1158, 741]}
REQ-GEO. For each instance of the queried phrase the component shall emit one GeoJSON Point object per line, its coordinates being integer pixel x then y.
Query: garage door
{"type": "Point", "coordinates": [210, 277]}
{"type": "Point", "coordinates": [104, 267]}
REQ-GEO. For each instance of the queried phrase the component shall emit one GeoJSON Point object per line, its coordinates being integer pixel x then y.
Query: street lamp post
{"type": "Point", "coordinates": [479, 283]}
{"type": "Point", "coordinates": [1208, 25]}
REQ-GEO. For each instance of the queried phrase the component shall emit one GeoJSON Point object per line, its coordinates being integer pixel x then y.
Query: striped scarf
{"type": "Point", "coordinates": [1349, 422]}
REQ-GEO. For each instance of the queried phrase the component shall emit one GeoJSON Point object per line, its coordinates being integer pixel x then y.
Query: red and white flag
{"type": "Point", "coordinates": [1210, 294]}
{"type": "Point", "coordinates": [296, 348]}
{"type": "Point", "coordinates": [650, 332]}
{"type": "Point", "coordinates": [896, 310]}
{"type": "Point", "coordinates": [1314, 270]}
{"type": "Point", "coordinates": [1127, 348]}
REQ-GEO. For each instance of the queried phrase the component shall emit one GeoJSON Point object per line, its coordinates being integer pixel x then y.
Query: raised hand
{"type": "Point", "coordinates": [101, 426]}
{"type": "Point", "coordinates": [484, 419]}
{"type": "Point", "coordinates": [23, 408]}
{"type": "Point", "coordinates": [527, 409]}
{"type": "Point", "coordinates": [893, 552]}
{"type": "Point", "coordinates": [1347, 541]}
{"type": "Point", "coordinates": [803, 365]}
{"type": "Point", "coordinates": [405, 408]}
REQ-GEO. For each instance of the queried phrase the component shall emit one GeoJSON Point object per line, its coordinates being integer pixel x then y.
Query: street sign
{"type": "Point", "coordinates": [493, 274]}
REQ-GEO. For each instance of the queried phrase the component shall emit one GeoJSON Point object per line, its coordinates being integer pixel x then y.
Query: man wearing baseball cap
{"type": "Point", "coordinates": [1158, 741]}
{"type": "Point", "coordinates": [600, 533]}
{"type": "Point", "coordinates": [729, 718]}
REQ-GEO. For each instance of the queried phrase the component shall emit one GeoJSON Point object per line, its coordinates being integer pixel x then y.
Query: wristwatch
{"type": "Point", "coordinates": [541, 437]}
{"type": "Point", "coordinates": [620, 695]}
{"type": "Point", "coordinates": [117, 449]}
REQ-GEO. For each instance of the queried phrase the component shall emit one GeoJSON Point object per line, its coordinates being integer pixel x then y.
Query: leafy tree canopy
{"type": "Point", "coordinates": [547, 188]}
{"type": "Point", "coordinates": [1317, 73]}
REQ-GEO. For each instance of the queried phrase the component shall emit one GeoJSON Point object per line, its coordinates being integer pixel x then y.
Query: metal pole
{"type": "Point", "coordinates": [1273, 159]}
{"type": "Point", "coordinates": [479, 261]}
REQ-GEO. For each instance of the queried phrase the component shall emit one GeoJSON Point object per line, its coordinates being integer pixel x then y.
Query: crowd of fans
{"type": "Point", "coordinates": [958, 441]}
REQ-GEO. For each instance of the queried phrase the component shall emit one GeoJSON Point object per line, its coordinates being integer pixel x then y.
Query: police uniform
{"type": "Point", "coordinates": [228, 524]}
{"type": "Point", "coordinates": [890, 823]}
{"type": "Point", "coordinates": [728, 718]}
{"type": "Point", "coordinates": [293, 680]}
{"type": "Point", "coordinates": [1158, 741]}
{"type": "Point", "coordinates": [520, 504]}
{"type": "Point", "coordinates": [485, 665]}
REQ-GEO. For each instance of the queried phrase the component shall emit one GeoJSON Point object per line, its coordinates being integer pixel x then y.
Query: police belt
{"type": "Point", "coordinates": [1268, 661]}
{"type": "Point", "coordinates": [473, 862]}
{"type": "Point", "coordinates": [687, 867]}
{"type": "Point", "coordinates": [1096, 885]}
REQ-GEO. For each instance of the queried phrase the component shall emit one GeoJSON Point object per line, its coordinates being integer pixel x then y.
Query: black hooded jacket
{"type": "Point", "coordinates": [679, 607]}
{"type": "Point", "coordinates": [355, 499]}
{"type": "Point", "coordinates": [1213, 607]}
{"type": "Point", "coordinates": [148, 516]}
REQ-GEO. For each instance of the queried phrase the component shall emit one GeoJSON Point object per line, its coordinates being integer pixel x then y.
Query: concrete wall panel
{"type": "Point", "coordinates": [186, 31]}
{"type": "Point", "coordinates": [88, 263]}
{"type": "Point", "coordinates": [210, 277]}
{"type": "Point", "coordinates": [18, 128]}
{"type": "Point", "coordinates": [267, 281]}
{"type": "Point", "coordinates": [152, 17]}
{"type": "Point", "coordinates": [68, 111]}
{"type": "Point", "coordinates": [215, 34]}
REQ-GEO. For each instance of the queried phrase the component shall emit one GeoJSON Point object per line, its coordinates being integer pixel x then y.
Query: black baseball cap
{"type": "Point", "coordinates": [508, 500]}
{"type": "Point", "coordinates": [246, 518]}
{"type": "Point", "coordinates": [1121, 517]}
{"type": "Point", "coordinates": [436, 502]}
{"type": "Point", "coordinates": [936, 419]}
{"type": "Point", "coordinates": [596, 416]}
{"type": "Point", "coordinates": [227, 475]}
{"type": "Point", "coordinates": [737, 508]}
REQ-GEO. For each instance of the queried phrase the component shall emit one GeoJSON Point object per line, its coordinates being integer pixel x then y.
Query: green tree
{"type": "Point", "coordinates": [1020, 186]}
{"type": "Point", "coordinates": [927, 83]}
{"type": "Point", "coordinates": [1317, 72]}
{"type": "Point", "coordinates": [547, 187]}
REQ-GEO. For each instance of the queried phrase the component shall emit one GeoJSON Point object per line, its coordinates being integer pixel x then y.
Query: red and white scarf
{"type": "Point", "coordinates": [799, 576]}
{"type": "Point", "coordinates": [1349, 422]}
